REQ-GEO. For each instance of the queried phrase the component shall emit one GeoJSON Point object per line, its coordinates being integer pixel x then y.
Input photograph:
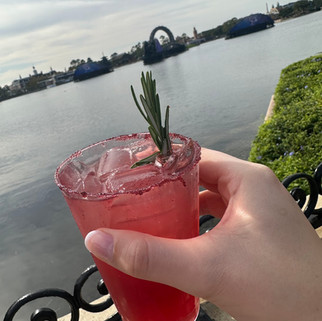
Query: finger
{"type": "Point", "coordinates": [215, 165]}
{"type": "Point", "coordinates": [211, 203]}
{"type": "Point", "coordinates": [225, 174]}
{"type": "Point", "coordinates": [162, 260]}
{"type": "Point", "coordinates": [213, 169]}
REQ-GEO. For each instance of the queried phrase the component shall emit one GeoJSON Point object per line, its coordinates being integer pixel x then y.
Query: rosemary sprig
{"type": "Point", "coordinates": [152, 114]}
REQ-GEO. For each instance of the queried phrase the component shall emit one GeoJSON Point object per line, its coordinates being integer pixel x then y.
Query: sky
{"type": "Point", "coordinates": [50, 33]}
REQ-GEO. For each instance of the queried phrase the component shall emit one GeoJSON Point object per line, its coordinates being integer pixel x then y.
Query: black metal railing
{"type": "Point", "coordinates": [76, 301]}
{"type": "Point", "coordinates": [308, 203]}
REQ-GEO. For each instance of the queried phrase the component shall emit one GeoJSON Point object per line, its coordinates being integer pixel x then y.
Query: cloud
{"type": "Point", "coordinates": [22, 18]}
{"type": "Point", "coordinates": [50, 33]}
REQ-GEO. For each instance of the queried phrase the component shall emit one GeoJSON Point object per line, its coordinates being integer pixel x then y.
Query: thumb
{"type": "Point", "coordinates": [178, 263]}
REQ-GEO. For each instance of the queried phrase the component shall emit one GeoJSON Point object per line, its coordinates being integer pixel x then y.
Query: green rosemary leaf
{"type": "Point", "coordinates": [146, 94]}
{"type": "Point", "coordinates": [137, 103]}
{"type": "Point", "coordinates": [148, 160]}
{"type": "Point", "coordinates": [166, 126]}
{"type": "Point", "coordinates": [150, 116]}
{"type": "Point", "coordinates": [158, 109]}
{"type": "Point", "coordinates": [155, 137]}
{"type": "Point", "coordinates": [147, 89]}
{"type": "Point", "coordinates": [151, 112]}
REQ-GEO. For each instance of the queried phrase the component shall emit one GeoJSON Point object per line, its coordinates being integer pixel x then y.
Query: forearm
{"type": "Point", "coordinates": [295, 295]}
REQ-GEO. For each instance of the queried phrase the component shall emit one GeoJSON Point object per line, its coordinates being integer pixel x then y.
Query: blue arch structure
{"type": "Point", "coordinates": [162, 28]}
{"type": "Point", "coordinates": [154, 52]}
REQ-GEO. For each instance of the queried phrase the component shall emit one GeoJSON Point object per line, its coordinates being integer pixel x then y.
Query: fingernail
{"type": "Point", "coordinates": [100, 244]}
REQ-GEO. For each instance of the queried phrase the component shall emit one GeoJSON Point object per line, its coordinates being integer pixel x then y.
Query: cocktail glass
{"type": "Point", "coordinates": [161, 199]}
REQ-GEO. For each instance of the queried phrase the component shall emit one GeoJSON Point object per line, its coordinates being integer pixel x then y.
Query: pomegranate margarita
{"type": "Point", "coordinates": [160, 198]}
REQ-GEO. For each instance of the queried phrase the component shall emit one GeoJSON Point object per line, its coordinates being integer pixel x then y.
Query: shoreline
{"type": "Point", "coordinates": [270, 109]}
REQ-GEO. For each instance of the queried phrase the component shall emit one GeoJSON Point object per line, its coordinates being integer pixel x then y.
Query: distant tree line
{"type": "Point", "coordinates": [37, 82]}
{"type": "Point", "coordinates": [26, 85]}
{"type": "Point", "coordinates": [135, 54]}
{"type": "Point", "coordinates": [299, 8]}
{"type": "Point", "coordinates": [290, 10]}
{"type": "Point", "coordinates": [220, 31]}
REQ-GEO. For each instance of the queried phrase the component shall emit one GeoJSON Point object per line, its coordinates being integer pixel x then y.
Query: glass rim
{"type": "Point", "coordinates": [69, 192]}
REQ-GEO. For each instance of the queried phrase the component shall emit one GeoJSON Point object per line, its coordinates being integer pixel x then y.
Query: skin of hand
{"type": "Point", "coordinates": [263, 261]}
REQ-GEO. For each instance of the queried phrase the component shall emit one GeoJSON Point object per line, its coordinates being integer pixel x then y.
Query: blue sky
{"type": "Point", "coordinates": [50, 33]}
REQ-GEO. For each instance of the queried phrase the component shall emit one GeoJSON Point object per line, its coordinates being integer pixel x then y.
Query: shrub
{"type": "Point", "coordinates": [291, 141]}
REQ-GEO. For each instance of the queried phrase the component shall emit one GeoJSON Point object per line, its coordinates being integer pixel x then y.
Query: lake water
{"type": "Point", "coordinates": [218, 93]}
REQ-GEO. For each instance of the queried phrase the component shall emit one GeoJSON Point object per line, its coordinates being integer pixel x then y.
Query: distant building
{"type": "Point", "coordinates": [35, 71]}
{"type": "Point", "coordinates": [196, 40]}
{"type": "Point", "coordinates": [274, 12]}
{"type": "Point", "coordinates": [195, 33]}
{"type": "Point", "coordinates": [64, 77]}
{"type": "Point", "coordinates": [19, 85]}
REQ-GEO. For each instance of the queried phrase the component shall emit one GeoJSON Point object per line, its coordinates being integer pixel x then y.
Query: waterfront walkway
{"type": "Point", "coordinates": [210, 309]}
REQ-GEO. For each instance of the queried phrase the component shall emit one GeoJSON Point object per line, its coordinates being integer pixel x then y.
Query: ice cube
{"type": "Point", "coordinates": [70, 176]}
{"type": "Point", "coordinates": [113, 160]}
{"type": "Point", "coordinates": [103, 166]}
{"type": "Point", "coordinates": [83, 168]}
{"type": "Point", "coordinates": [91, 184]}
{"type": "Point", "coordinates": [135, 179]}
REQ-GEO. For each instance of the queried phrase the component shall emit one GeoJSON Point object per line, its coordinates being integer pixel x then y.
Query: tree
{"type": "Point", "coordinates": [162, 37]}
{"type": "Point", "coordinates": [4, 93]}
{"type": "Point", "coordinates": [75, 63]}
{"type": "Point", "coordinates": [32, 84]}
{"type": "Point", "coordinates": [137, 51]}
{"type": "Point", "coordinates": [104, 61]}
{"type": "Point", "coordinates": [301, 6]}
{"type": "Point", "coordinates": [286, 12]}
{"type": "Point", "coordinates": [164, 40]}
{"type": "Point", "coordinates": [114, 55]}
{"type": "Point", "coordinates": [229, 24]}
{"type": "Point", "coordinates": [317, 4]}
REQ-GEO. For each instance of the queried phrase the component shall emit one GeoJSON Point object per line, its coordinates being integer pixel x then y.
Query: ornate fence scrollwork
{"type": "Point", "coordinates": [100, 287]}
{"type": "Point", "coordinates": [75, 301]}
{"type": "Point", "coordinates": [308, 206]}
{"type": "Point", "coordinates": [44, 313]}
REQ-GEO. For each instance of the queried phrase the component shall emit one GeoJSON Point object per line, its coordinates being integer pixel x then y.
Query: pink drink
{"type": "Point", "coordinates": [103, 191]}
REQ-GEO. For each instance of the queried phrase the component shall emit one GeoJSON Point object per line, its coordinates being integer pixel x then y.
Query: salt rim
{"type": "Point", "coordinates": [101, 196]}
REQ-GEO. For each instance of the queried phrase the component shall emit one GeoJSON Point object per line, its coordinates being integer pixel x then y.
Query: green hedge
{"type": "Point", "coordinates": [291, 141]}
